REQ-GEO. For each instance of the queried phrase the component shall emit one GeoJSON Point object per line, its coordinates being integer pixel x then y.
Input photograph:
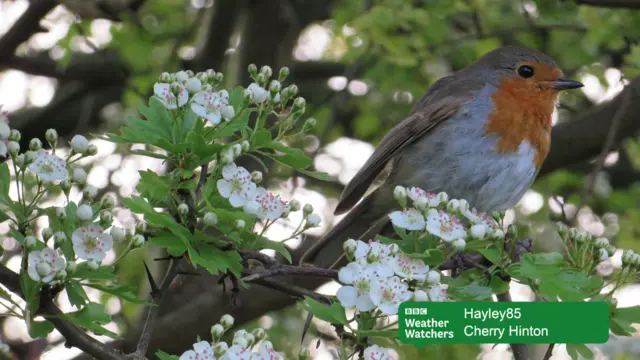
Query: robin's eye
{"type": "Point", "coordinates": [525, 71]}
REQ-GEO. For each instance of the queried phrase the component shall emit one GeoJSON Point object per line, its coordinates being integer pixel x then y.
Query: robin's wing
{"type": "Point", "coordinates": [440, 102]}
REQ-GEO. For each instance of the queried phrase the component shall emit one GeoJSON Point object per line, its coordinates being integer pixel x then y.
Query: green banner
{"type": "Point", "coordinates": [503, 322]}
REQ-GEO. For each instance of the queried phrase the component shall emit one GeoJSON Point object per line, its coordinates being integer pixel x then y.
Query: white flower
{"type": "Point", "coordinates": [259, 94]}
{"type": "Point", "coordinates": [388, 293]}
{"type": "Point", "coordinates": [227, 112]}
{"type": "Point", "coordinates": [479, 218]}
{"type": "Point", "coordinates": [208, 104]}
{"type": "Point", "coordinates": [479, 231]}
{"type": "Point", "coordinates": [420, 295]}
{"type": "Point", "coordinates": [410, 219]}
{"type": "Point", "coordinates": [84, 212]}
{"type": "Point", "coordinates": [433, 277]}
{"type": "Point", "coordinates": [236, 185]}
{"type": "Point", "coordinates": [400, 193]}
{"type": "Point", "coordinates": [416, 193]}
{"type": "Point", "coordinates": [117, 233]}
{"type": "Point", "coordinates": [79, 175]}
{"type": "Point", "coordinates": [201, 351]}
{"type": "Point", "coordinates": [79, 144]}
{"type": "Point", "coordinates": [459, 244]}
{"type": "Point", "coordinates": [445, 227]}
{"type": "Point", "coordinates": [437, 294]}
{"type": "Point", "coordinates": [375, 352]}
{"type": "Point", "coordinates": [162, 92]}
{"type": "Point", "coordinates": [49, 167]}
{"type": "Point", "coordinates": [182, 75]}
{"type": "Point", "coordinates": [44, 265]}
{"type": "Point", "coordinates": [236, 352]}
{"type": "Point", "coordinates": [357, 295]}
{"type": "Point", "coordinates": [408, 267]}
{"type": "Point", "coordinates": [266, 205]}
{"type": "Point", "coordinates": [377, 258]}
{"type": "Point", "coordinates": [91, 242]}
{"type": "Point", "coordinates": [350, 247]}
{"type": "Point", "coordinates": [193, 85]}
{"type": "Point", "coordinates": [349, 273]}
{"type": "Point", "coordinates": [266, 352]}
{"type": "Point", "coordinates": [313, 220]}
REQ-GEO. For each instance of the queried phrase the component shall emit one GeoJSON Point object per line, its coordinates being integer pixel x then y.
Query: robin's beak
{"type": "Point", "coordinates": [566, 84]}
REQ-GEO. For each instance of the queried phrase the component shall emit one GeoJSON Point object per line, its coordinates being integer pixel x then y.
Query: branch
{"type": "Point", "coordinates": [27, 25]}
{"type": "Point", "coordinates": [291, 289]}
{"type": "Point", "coordinates": [294, 270]}
{"type": "Point", "coordinates": [620, 4]}
{"type": "Point", "coordinates": [549, 352]}
{"type": "Point", "coordinates": [520, 351]}
{"type": "Point", "coordinates": [157, 295]}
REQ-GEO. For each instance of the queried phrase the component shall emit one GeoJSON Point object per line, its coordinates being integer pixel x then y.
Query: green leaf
{"type": "Point", "coordinates": [169, 241]}
{"type": "Point", "coordinates": [431, 257]}
{"type": "Point", "coordinates": [579, 349]}
{"type": "Point", "coordinates": [390, 334]}
{"type": "Point", "coordinates": [217, 261]}
{"type": "Point", "coordinates": [84, 272]}
{"type": "Point", "coordinates": [40, 329]}
{"type": "Point", "coordinates": [5, 180]}
{"type": "Point", "coordinates": [153, 186]}
{"type": "Point", "coordinates": [76, 294]}
{"type": "Point", "coordinates": [333, 313]}
{"type": "Point", "coordinates": [91, 317]}
{"type": "Point", "coordinates": [257, 242]}
{"type": "Point", "coordinates": [621, 327]}
{"type": "Point", "coordinates": [164, 356]}
{"type": "Point", "coordinates": [147, 153]}
{"type": "Point", "coordinates": [631, 314]}
{"type": "Point", "coordinates": [492, 254]}
{"type": "Point", "coordinates": [294, 158]}
{"type": "Point", "coordinates": [317, 175]}
{"type": "Point", "coordinates": [125, 292]}
{"type": "Point", "coordinates": [261, 138]}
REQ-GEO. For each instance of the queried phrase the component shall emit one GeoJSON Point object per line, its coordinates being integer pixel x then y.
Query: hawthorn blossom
{"type": "Point", "coordinates": [375, 256]}
{"type": "Point", "coordinates": [479, 218]}
{"type": "Point", "coordinates": [375, 352]}
{"type": "Point", "coordinates": [201, 351]}
{"type": "Point", "coordinates": [44, 265]}
{"type": "Point", "coordinates": [446, 227]}
{"type": "Point", "coordinates": [91, 242]}
{"type": "Point", "coordinates": [49, 167]}
{"type": "Point", "coordinates": [266, 205]}
{"type": "Point", "coordinates": [266, 352]}
{"type": "Point", "coordinates": [163, 92]}
{"type": "Point", "coordinates": [410, 219]}
{"type": "Point", "coordinates": [259, 94]}
{"type": "Point", "coordinates": [356, 294]}
{"type": "Point", "coordinates": [437, 294]}
{"type": "Point", "coordinates": [236, 185]}
{"type": "Point", "coordinates": [416, 193]}
{"type": "Point", "coordinates": [237, 352]}
{"type": "Point", "coordinates": [409, 267]}
{"type": "Point", "coordinates": [212, 106]}
{"type": "Point", "coordinates": [388, 293]}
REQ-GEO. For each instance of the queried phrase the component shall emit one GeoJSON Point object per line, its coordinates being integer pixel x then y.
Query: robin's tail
{"type": "Point", "coordinates": [365, 219]}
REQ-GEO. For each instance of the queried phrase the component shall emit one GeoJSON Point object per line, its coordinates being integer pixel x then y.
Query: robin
{"type": "Point", "coordinates": [480, 134]}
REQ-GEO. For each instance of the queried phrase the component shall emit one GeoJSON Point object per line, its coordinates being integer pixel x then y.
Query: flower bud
{"type": "Point", "coordinates": [512, 231]}
{"type": "Point", "coordinates": [299, 103]}
{"type": "Point", "coordinates": [43, 269]}
{"type": "Point", "coordinates": [71, 267]}
{"type": "Point", "coordinates": [421, 203]}
{"type": "Point", "coordinates": [92, 149]}
{"type": "Point", "coordinates": [207, 88]}
{"type": "Point", "coordinates": [256, 176]}
{"type": "Point", "coordinates": [84, 212]}
{"type": "Point", "coordinates": [253, 69]}
{"type": "Point", "coordinates": [497, 234]}
{"type": "Point", "coordinates": [137, 241]}
{"type": "Point", "coordinates": [29, 156]}
{"type": "Point", "coordinates": [259, 334]}
{"type": "Point", "coordinates": [15, 135]}
{"type": "Point", "coordinates": [227, 112]}
{"type": "Point", "coordinates": [266, 70]}
{"type": "Point", "coordinates": [442, 197]}
{"type": "Point", "coordinates": [240, 341]}
{"type": "Point", "coordinates": [313, 220]}
{"type": "Point", "coordinates": [227, 157]}
{"type": "Point", "coordinates": [216, 332]}
{"type": "Point", "coordinates": [227, 321]}
{"type": "Point", "coordinates": [459, 244]}
{"type": "Point", "coordinates": [601, 242]}
{"type": "Point", "coordinates": [210, 219]}
{"type": "Point", "coordinates": [240, 224]}
{"type": "Point", "coordinates": [79, 175]}
{"type": "Point", "coordinates": [182, 76]}
{"type": "Point", "coordinates": [245, 145]}
{"type": "Point", "coordinates": [478, 231]}
{"type": "Point", "coordinates": [61, 212]}
{"type": "Point", "coordinates": [183, 209]}
{"type": "Point", "coordinates": [304, 354]}
{"type": "Point", "coordinates": [275, 87]}
{"type": "Point", "coordinates": [220, 349]}
{"type": "Point", "coordinates": [420, 295]}
{"type": "Point", "coordinates": [218, 77]}
{"type": "Point", "coordinates": [65, 185]}
{"type": "Point", "coordinates": [284, 72]}
{"type": "Point", "coordinates": [193, 85]}
{"type": "Point", "coordinates": [19, 159]}
{"type": "Point", "coordinates": [35, 144]}
{"type": "Point", "coordinates": [603, 254]}
{"type": "Point", "coordinates": [13, 147]}
{"type": "Point", "coordinates": [433, 277]}
{"type": "Point", "coordinates": [80, 144]}
{"type": "Point", "coordinates": [30, 242]}
{"type": "Point", "coordinates": [251, 339]}
{"type": "Point", "coordinates": [453, 205]}
{"type": "Point", "coordinates": [611, 250]}
{"type": "Point", "coordinates": [563, 229]}
{"type": "Point", "coordinates": [400, 194]}
{"type": "Point", "coordinates": [307, 209]}
{"type": "Point", "coordinates": [93, 264]}
{"type": "Point", "coordinates": [61, 275]}
{"type": "Point", "coordinates": [349, 247]}
{"type": "Point", "coordinates": [247, 95]}
{"type": "Point", "coordinates": [141, 227]}
{"type": "Point", "coordinates": [106, 218]}
{"type": "Point", "coordinates": [310, 123]}
{"type": "Point", "coordinates": [294, 205]}
{"type": "Point", "coordinates": [117, 233]}
{"type": "Point", "coordinates": [52, 136]}
{"type": "Point", "coordinates": [237, 149]}
{"type": "Point", "coordinates": [210, 73]}
{"type": "Point", "coordinates": [108, 202]}
{"type": "Point", "coordinates": [47, 233]}
{"type": "Point", "coordinates": [59, 238]}
{"type": "Point", "coordinates": [627, 257]}
{"type": "Point", "coordinates": [165, 77]}
{"type": "Point", "coordinates": [293, 90]}
{"type": "Point", "coordinates": [89, 192]}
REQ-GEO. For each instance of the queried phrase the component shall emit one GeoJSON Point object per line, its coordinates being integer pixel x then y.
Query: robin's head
{"type": "Point", "coordinates": [521, 68]}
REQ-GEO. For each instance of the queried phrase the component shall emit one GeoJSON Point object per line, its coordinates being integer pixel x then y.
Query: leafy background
{"type": "Point", "coordinates": [360, 64]}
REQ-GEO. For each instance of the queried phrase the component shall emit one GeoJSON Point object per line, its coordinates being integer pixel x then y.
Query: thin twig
{"type": "Point", "coordinates": [520, 351]}
{"type": "Point", "coordinates": [291, 289]}
{"type": "Point", "coordinates": [152, 314]}
{"type": "Point", "coordinates": [204, 169]}
{"type": "Point", "coordinates": [265, 259]}
{"type": "Point", "coordinates": [549, 352]}
{"type": "Point", "coordinates": [608, 144]}
{"type": "Point", "coordinates": [291, 270]}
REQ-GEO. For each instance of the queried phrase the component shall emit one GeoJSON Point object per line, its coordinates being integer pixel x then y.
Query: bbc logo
{"type": "Point", "coordinates": [415, 311]}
